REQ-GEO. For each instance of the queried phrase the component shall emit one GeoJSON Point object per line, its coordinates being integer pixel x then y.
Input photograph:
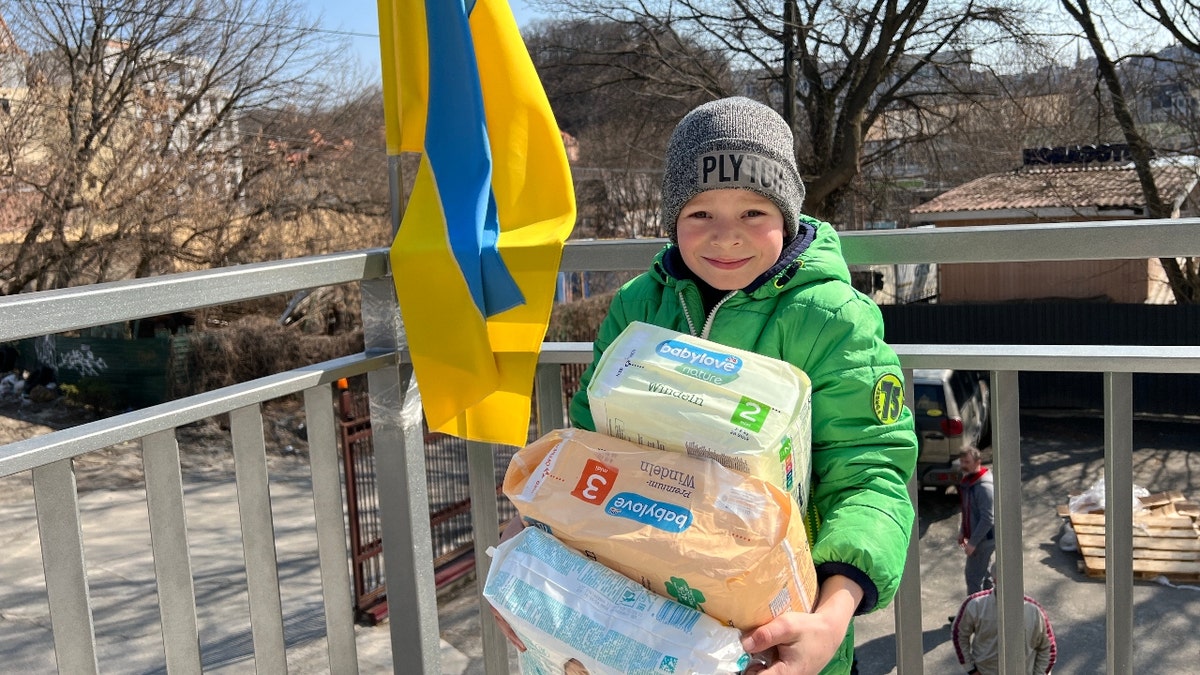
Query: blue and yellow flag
{"type": "Point", "coordinates": [478, 249]}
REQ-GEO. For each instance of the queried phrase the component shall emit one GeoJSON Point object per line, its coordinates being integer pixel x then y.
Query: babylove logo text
{"type": "Point", "coordinates": [667, 517]}
{"type": "Point", "coordinates": [702, 364]}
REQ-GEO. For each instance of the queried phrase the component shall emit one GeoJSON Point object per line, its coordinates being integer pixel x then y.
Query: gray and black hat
{"type": "Point", "coordinates": [732, 143]}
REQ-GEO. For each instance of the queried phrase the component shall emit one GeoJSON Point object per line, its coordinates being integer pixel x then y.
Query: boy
{"type": "Point", "coordinates": [746, 269]}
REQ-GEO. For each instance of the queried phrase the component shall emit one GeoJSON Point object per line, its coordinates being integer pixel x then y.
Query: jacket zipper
{"type": "Point", "coordinates": [711, 315]}
{"type": "Point", "coordinates": [811, 516]}
{"type": "Point", "coordinates": [708, 321]}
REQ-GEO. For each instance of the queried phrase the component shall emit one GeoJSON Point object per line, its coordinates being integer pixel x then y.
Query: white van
{"type": "Point", "coordinates": [952, 410]}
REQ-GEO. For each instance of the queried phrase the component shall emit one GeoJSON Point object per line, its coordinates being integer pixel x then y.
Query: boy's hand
{"type": "Point", "coordinates": [796, 643]}
{"type": "Point", "coordinates": [507, 630]}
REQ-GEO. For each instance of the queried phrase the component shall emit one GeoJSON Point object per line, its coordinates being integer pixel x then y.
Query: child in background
{"type": "Point", "coordinates": [745, 268]}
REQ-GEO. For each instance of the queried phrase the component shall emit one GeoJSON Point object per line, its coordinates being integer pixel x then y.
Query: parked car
{"type": "Point", "coordinates": [952, 410]}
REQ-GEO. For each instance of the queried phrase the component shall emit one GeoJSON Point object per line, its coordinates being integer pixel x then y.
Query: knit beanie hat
{"type": "Point", "coordinates": [732, 143]}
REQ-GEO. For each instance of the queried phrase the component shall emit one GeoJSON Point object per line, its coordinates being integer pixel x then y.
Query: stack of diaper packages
{"type": "Point", "coordinates": [675, 528]}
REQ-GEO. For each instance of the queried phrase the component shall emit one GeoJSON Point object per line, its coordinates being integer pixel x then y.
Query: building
{"type": "Point", "coordinates": [1055, 185]}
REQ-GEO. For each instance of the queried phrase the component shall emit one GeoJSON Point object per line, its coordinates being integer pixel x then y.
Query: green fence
{"type": "Point", "coordinates": [112, 373]}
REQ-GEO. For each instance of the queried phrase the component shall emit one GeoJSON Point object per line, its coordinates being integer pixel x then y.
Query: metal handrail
{"type": "Point", "coordinates": [396, 413]}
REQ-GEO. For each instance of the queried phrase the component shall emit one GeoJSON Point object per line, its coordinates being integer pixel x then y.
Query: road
{"type": "Point", "coordinates": [1060, 455]}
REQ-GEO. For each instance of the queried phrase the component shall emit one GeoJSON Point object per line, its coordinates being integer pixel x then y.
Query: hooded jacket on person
{"type": "Point", "coordinates": [804, 311]}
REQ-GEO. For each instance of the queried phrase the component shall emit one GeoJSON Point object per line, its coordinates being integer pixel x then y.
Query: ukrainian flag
{"type": "Point", "coordinates": [477, 253]}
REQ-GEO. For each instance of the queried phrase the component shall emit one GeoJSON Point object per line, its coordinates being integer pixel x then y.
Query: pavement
{"type": "Point", "coordinates": [125, 610]}
{"type": "Point", "coordinates": [1059, 456]}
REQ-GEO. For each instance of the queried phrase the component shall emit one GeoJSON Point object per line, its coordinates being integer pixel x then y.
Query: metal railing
{"type": "Point", "coordinates": [398, 438]}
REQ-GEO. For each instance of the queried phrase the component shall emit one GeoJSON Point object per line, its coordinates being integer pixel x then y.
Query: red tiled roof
{"type": "Point", "coordinates": [1061, 187]}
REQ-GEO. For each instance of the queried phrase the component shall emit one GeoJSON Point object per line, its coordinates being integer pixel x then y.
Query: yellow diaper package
{"type": "Point", "coordinates": [687, 528]}
{"type": "Point", "coordinates": [663, 389]}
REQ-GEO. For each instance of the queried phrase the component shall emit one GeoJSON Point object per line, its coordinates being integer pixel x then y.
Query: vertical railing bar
{"type": "Point", "coordinates": [258, 539]}
{"type": "Point", "coordinates": [399, 444]}
{"type": "Point", "coordinates": [57, 505]}
{"type": "Point", "coordinates": [910, 651]}
{"type": "Point", "coordinates": [331, 529]}
{"type": "Point", "coordinates": [172, 560]}
{"type": "Point", "coordinates": [548, 385]}
{"type": "Point", "coordinates": [1009, 572]}
{"type": "Point", "coordinates": [485, 519]}
{"type": "Point", "coordinates": [1118, 521]}
{"type": "Point", "coordinates": [404, 521]}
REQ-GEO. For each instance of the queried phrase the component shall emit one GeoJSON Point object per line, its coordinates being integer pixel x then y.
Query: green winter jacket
{"type": "Point", "coordinates": [864, 449]}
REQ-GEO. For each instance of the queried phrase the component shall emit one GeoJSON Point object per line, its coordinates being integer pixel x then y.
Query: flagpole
{"type": "Point", "coordinates": [395, 191]}
{"type": "Point", "coordinates": [397, 429]}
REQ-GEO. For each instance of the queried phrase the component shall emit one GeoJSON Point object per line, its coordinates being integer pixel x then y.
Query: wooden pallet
{"type": "Point", "coordinates": [1165, 543]}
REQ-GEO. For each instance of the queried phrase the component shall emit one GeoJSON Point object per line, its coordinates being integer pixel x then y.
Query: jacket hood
{"type": "Point", "coordinates": [813, 255]}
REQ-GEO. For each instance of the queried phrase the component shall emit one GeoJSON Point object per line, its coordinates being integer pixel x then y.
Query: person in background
{"type": "Point", "coordinates": [976, 635]}
{"type": "Point", "coordinates": [976, 534]}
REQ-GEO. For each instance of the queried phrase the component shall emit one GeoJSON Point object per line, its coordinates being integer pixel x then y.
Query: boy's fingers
{"type": "Point", "coordinates": [507, 630]}
{"type": "Point", "coordinates": [768, 635]}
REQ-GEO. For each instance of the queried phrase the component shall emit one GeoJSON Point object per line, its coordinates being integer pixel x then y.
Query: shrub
{"type": "Point", "coordinates": [94, 393]}
{"type": "Point", "coordinates": [256, 346]}
{"type": "Point", "coordinates": [578, 321]}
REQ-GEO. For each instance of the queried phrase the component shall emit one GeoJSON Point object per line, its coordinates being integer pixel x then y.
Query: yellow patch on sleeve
{"type": "Point", "coordinates": [888, 398]}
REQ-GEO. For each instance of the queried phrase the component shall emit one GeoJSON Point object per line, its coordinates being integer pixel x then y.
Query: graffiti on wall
{"type": "Point", "coordinates": [81, 360]}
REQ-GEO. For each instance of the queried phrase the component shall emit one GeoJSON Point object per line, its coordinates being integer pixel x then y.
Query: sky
{"type": "Point", "coordinates": [360, 20]}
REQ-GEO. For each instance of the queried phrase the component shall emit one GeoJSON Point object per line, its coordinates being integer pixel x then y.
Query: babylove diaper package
{"type": "Point", "coordinates": [575, 615]}
{"type": "Point", "coordinates": [663, 389]}
{"type": "Point", "coordinates": [687, 528]}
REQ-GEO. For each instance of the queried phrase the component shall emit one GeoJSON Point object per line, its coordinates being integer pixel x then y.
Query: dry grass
{"type": "Point", "coordinates": [257, 346]}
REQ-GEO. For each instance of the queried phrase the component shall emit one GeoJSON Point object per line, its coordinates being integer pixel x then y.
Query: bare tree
{"type": "Point", "coordinates": [127, 134]}
{"type": "Point", "coordinates": [1180, 19]}
{"type": "Point", "coordinates": [317, 179]}
{"type": "Point", "coordinates": [855, 63]}
{"type": "Point", "coordinates": [618, 89]}
{"type": "Point", "coordinates": [1041, 104]}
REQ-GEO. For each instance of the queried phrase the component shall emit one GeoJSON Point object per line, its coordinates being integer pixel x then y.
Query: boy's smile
{"type": "Point", "coordinates": [729, 237]}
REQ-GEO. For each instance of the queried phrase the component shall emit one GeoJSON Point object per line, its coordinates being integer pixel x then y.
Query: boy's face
{"type": "Point", "coordinates": [729, 237]}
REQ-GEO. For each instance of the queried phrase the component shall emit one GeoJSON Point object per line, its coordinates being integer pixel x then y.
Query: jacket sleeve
{"type": "Point", "coordinates": [961, 632]}
{"type": "Point", "coordinates": [864, 448]}
{"type": "Point", "coordinates": [1044, 646]}
{"type": "Point", "coordinates": [614, 322]}
{"type": "Point", "coordinates": [1041, 654]}
{"type": "Point", "coordinates": [983, 501]}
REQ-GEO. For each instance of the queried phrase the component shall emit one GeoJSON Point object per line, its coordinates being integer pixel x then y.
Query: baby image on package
{"type": "Point", "coordinates": [687, 528]}
{"type": "Point", "coordinates": [663, 389]}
